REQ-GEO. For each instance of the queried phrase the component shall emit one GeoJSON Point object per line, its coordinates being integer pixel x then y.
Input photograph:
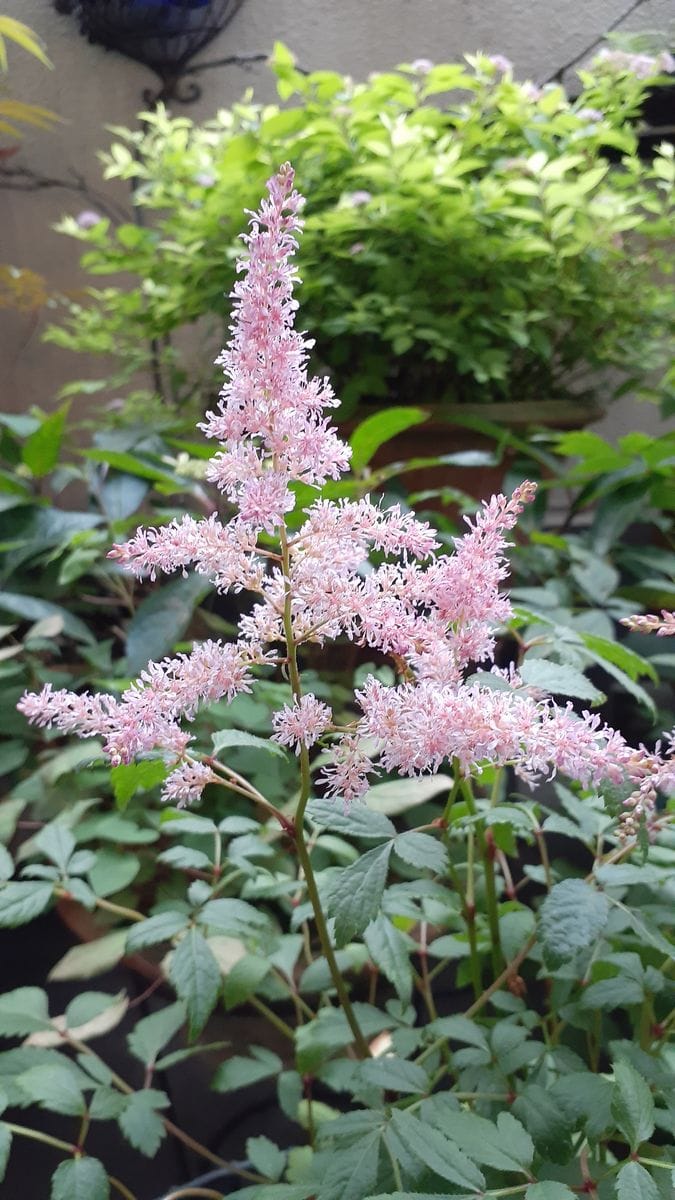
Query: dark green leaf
{"type": "Point", "coordinates": [393, 1074]}
{"type": "Point", "coordinates": [632, 1104]}
{"type": "Point", "coordinates": [54, 1087]}
{"type": "Point", "coordinates": [399, 795]}
{"type": "Point", "coordinates": [80, 1179]}
{"type": "Point", "coordinates": [238, 1072]}
{"type": "Point", "coordinates": [232, 739]}
{"type": "Point", "coordinates": [140, 1122]}
{"type": "Point", "coordinates": [129, 778]}
{"type": "Point", "coordinates": [161, 620]}
{"type": "Point", "coordinates": [421, 850]}
{"type": "Point", "coordinates": [436, 1152]}
{"type": "Point", "coordinates": [92, 958]}
{"type": "Point", "coordinates": [160, 928]}
{"type": "Point", "coordinates": [40, 451]}
{"type": "Point", "coordinates": [353, 895]}
{"type": "Point", "coordinates": [233, 917]}
{"type": "Point", "coordinates": [546, 1122]}
{"type": "Point", "coordinates": [559, 679]}
{"type": "Point", "coordinates": [185, 858]}
{"type": "Point", "coordinates": [357, 821]}
{"type": "Point", "coordinates": [571, 919]}
{"type": "Point", "coordinates": [23, 1011]}
{"type": "Point", "coordinates": [585, 1098]}
{"type": "Point", "coordinates": [22, 902]}
{"type": "Point", "coordinates": [634, 1183]}
{"type": "Point", "coordinates": [31, 608]}
{"type": "Point", "coordinates": [113, 871]}
{"type": "Point", "coordinates": [151, 1034]}
{"type": "Point", "coordinates": [350, 1173]}
{"type": "Point", "coordinates": [244, 978]}
{"type": "Point", "coordinates": [265, 1157]}
{"type": "Point", "coordinates": [485, 1143]}
{"type": "Point", "coordinates": [390, 953]}
{"type": "Point", "coordinates": [380, 428]}
{"type": "Point", "coordinates": [195, 975]}
{"type": "Point", "coordinates": [620, 655]}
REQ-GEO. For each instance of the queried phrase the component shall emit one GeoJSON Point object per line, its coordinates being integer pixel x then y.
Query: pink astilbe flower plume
{"type": "Point", "coordinates": [434, 614]}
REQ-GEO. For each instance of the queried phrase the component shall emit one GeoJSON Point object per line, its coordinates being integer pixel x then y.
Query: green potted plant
{"type": "Point", "coordinates": [468, 242]}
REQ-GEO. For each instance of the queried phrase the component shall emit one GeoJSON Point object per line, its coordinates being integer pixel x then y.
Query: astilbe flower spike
{"type": "Point", "coordinates": [433, 614]}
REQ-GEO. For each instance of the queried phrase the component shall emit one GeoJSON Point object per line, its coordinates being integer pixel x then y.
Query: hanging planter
{"type": "Point", "coordinates": [162, 34]}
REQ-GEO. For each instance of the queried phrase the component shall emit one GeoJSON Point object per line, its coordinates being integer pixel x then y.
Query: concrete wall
{"type": "Point", "coordinates": [91, 88]}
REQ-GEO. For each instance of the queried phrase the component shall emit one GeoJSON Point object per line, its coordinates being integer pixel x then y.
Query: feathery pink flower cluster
{"type": "Point", "coordinates": [434, 614]}
{"type": "Point", "coordinates": [663, 626]}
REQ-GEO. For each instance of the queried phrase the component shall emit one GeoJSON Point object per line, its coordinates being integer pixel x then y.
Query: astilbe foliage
{"type": "Point", "coordinates": [434, 614]}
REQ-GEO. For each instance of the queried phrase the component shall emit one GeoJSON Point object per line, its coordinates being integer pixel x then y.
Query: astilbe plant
{"type": "Point", "coordinates": [374, 575]}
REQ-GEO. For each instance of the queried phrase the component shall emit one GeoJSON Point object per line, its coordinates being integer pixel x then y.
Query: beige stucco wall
{"type": "Point", "coordinates": [91, 88]}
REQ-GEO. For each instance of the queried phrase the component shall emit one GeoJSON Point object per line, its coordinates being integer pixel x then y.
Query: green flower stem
{"type": "Point", "coordinates": [121, 1188]}
{"type": "Point", "coordinates": [487, 855]}
{"type": "Point", "coordinates": [655, 1162]}
{"type": "Point", "coordinates": [507, 974]}
{"type": "Point", "coordinates": [470, 916]}
{"type": "Point", "coordinates": [206, 1193]}
{"type": "Point", "coordinates": [299, 830]}
{"type": "Point", "coordinates": [37, 1136]}
{"type": "Point", "coordinates": [272, 1017]}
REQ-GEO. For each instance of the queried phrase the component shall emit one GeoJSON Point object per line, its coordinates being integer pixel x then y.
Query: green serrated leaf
{"type": "Point", "coordinates": [195, 975]}
{"type": "Point", "coordinates": [140, 1122]}
{"type": "Point", "coordinates": [53, 1087]}
{"type": "Point", "coordinates": [559, 679]}
{"type": "Point", "coordinates": [23, 1011]}
{"type": "Point", "coordinates": [390, 953]}
{"type": "Point", "coordinates": [353, 895]}
{"type": "Point", "coordinates": [431, 1148]}
{"type": "Point", "coordinates": [80, 1179]}
{"type": "Point", "coordinates": [546, 1122]}
{"type": "Point", "coordinates": [265, 1157]}
{"type": "Point", "coordinates": [486, 1144]}
{"type": "Point", "coordinates": [231, 739]}
{"type": "Point", "coordinates": [112, 871]}
{"type": "Point", "coordinates": [632, 1104]}
{"type": "Point", "coordinates": [233, 917]}
{"type": "Point", "coordinates": [238, 1072]}
{"type": "Point", "coordinates": [357, 821]}
{"type": "Point", "coordinates": [129, 778]}
{"type": "Point", "coordinates": [393, 1074]}
{"type": "Point", "coordinates": [92, 958]}
{"type": "Point", "coordinates": [22, 902]}
{"type": "Point", "coordinates": [151, 1034]}
{"type": "Point", "coordinates": [400, 795]}
{"type": "Point", "coordinates": [421, 850]}
{"type": "Point", "coordinates": [571, 919]}
{"type": "Point", "coordinates": [635, 1183]}
{"type": "Point", "coordinates": [351, 1172]}
{"type": "Point", "coordinates": [244, 978]}
{"type": "Point", "coordinates": [160, 928]}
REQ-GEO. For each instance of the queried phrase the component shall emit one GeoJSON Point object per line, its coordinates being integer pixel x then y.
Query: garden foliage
{"type": "Point", "coordinates": [473, 980]}
{"type": "Point", "coordinates": [469, 238]}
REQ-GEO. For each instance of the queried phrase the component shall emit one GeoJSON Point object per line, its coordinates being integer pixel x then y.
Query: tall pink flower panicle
{"type": "Point", "coordinates": [270, 414]}
{"type": "Point", "coordinates": [662, 626]}
{"type": "Point", "coordinates": [434, 614]}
